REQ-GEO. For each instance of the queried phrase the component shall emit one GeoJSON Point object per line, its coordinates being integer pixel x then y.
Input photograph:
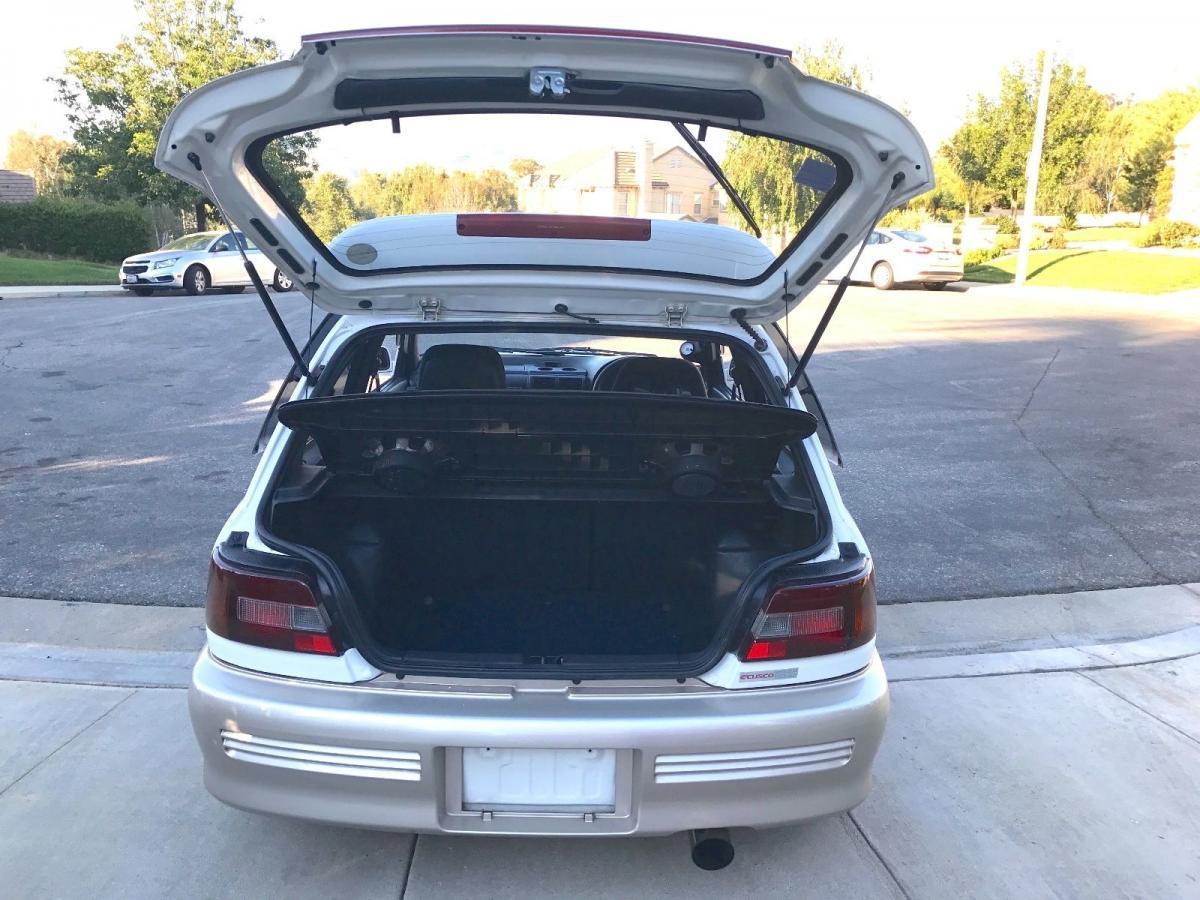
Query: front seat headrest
{"type": "Point", "coordinates": [656, 375]}
{"type": "Point", "coordinates": [459, 367]}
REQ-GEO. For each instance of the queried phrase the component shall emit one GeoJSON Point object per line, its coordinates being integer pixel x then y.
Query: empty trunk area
{"type": "Point", "coordinates": [530, 579]}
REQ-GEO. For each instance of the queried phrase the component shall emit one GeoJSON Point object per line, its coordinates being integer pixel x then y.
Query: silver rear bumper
{"type": "Point", "coordinates": [389, 756]}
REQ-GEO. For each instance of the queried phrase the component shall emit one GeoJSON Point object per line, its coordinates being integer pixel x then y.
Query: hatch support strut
{"type": "Point", "coordinates": [838, 293]}
{"type": "Point", "coordinates": [276, 320]}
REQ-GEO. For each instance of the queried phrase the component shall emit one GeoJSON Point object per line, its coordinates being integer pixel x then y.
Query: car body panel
{"type": "Point", "coordinates": [206, 140]}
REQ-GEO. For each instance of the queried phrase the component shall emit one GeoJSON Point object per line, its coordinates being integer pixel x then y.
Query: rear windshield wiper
{"type": "Point", "coordinates": [718, 173]}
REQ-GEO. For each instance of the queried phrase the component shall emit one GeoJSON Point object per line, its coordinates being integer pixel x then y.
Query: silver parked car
{"type": "Point", "coordinates": [200, 262]}
{"type": "Point", "coordinates": [545, 540]}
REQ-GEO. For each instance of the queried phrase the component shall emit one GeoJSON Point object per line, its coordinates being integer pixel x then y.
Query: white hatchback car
{"type": "Point", "coordinates": [545, 541]}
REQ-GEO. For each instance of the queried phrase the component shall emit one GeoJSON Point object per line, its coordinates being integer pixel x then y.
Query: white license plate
{"type": "Point", "coordinates": [131, 279]}
{"type": "Point", "coordinates": [500, 779]}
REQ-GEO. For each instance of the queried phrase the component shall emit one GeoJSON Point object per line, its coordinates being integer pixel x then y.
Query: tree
{"type": "Point", "coordinates": [1142, 172]}
{"type": "Point", "coordinates": [39, 155]}
{"type": "Point", "coordinates": [991, 149]}
{"type": "Point", "coordinates": [1104, 157]}
{"type": "Point", "coordinates": [522, 168]}
{"type": "Point", "coordinates": [972, 153]}
{"type": "Point", "coordinates": [763, 170]}
{"type": "Point", "coordinates": [118, 100]}
{"type": "Point", "coordinates": [328, 209]}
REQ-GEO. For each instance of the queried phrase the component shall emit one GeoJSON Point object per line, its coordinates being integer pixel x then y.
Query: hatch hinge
{"type": "Point", "coordinates": [548, 81]}
{"type": "Point", "coordinates": [675, 313]}
{"type": "Point", "coordinates": [431, 308]}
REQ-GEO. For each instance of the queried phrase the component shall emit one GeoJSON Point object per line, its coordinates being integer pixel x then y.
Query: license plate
{"type": "Point", "coordinates": [131, 279]}
{"type": "Point", "coordinates": [499, 779]}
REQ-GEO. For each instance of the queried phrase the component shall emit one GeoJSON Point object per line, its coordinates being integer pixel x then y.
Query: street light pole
{"type": "Point", "coordinates": [1034, 164]}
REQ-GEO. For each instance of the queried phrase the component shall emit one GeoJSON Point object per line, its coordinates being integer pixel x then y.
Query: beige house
{"type": "Point", "coordinates": [16, 187]}
{"type": "Point", "coordinates": [672, 184]}
{"type": "Point", "coordinates": [1185, 190]}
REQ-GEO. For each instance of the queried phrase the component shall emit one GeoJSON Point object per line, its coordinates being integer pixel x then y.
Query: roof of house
{"type": "Point", "coordinates": [624, 166]}
{"type": "Point", "coordinates": [16, 187]}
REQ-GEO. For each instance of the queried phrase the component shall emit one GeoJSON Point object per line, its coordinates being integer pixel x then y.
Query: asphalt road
{"type": "Point", "coordinates": [994, 444]}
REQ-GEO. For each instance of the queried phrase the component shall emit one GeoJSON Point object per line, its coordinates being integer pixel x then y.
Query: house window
{"type": "Point", "coordinates": [697, 203]}
{"type": "Point", "coordinates": [674, 202]}
{"type": "Point", "coordinates": [674, 162]}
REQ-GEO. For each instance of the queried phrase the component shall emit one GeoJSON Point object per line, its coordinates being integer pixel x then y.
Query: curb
{"type": "Point", "coordinates": [52, 292]}
{"type": "Point", "coordinates": [172, 668]}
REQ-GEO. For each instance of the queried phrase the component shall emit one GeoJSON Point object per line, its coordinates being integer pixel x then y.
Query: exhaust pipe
{"type": "Point", "coordinates": [711, 848]}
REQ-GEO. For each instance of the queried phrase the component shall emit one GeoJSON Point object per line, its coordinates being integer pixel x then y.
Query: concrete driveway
{"type": "Point", "coordinates": [996, 442]}
{"type": "Point", "coordinates": [1074, 775]}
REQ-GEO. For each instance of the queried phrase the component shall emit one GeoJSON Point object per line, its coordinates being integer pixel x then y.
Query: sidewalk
{"type": "Point", "coordinates": [26, 292]}
{"type": "Point", "coordinates": [1041, 746]}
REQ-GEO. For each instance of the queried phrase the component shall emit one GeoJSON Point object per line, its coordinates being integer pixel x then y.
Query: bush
{"type": "Point", "coordinates": [1058, 240]}
{"type": "Point", "coordinates": [1004, 224]}
{"type": "Point", "coordinates": [1006, 242]}
{"type": "Point", "coordinates": [1165, 233]}
{"type": "Point", "coordinates": [981, 256]}
{"type": "Point", "coordinates": [79, 229]}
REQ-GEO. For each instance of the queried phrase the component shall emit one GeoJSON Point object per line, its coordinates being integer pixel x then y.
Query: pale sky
{"type": "Point", "coordinates": [929, 57]}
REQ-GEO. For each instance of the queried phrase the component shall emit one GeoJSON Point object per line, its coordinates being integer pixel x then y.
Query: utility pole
{"type": "Point", "coordinates": [1031, 169]}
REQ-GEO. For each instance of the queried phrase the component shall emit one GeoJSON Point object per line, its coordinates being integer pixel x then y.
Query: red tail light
{"type": "Point", "coordinates": [920, 248]}
{"type": "Point", "coordinates": [275, 611]}
{"type": "Point", "coordinates": [812, 619]}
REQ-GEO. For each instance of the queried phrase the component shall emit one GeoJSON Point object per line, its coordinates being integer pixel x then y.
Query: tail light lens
{"type": "Point", "coordinates": [275, 611]}
{"type": "Point", "coordinates": [922, 249]}
{"type": "Point", "coordinates": [814, 618]}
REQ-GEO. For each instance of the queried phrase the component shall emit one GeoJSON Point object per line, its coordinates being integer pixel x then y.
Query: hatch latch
{"type": "Point", "coordinates": [548, 81]}
{"type": "Point", "coordinates": [675, 313]}
{"type": "Point", "coordinates": [431, 307]}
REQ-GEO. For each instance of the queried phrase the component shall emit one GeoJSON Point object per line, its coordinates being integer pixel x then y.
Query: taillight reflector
{"type": "Point", "coordinates": [814, 618]}
{"type": "Point", "coordinates": [922, 249]}
{"type": "Point", "coordinates": [275, 611]}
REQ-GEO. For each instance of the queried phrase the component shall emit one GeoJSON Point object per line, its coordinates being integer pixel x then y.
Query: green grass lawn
{"type": "Point", "coordinates": [1106, 270]}
{"type": "Point", "coordinates": [1083, 235]}
{"type": "Point", "coordinates": [21, 270]}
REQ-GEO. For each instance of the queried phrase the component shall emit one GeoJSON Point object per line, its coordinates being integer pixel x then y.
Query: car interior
{"type": "Point", "coordinates": [558, 502]}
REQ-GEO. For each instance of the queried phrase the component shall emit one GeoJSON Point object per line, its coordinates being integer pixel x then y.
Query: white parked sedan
{"type": "Point", "coordinates": [546, 541]}
{"type": "Point", "coordinates": [200, 262]}
{"type": "Point", "coordinates": [899, 256]}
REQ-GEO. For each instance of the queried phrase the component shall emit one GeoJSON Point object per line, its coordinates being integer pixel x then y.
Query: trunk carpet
{"type": "Point", "coordinates": [549, 624]}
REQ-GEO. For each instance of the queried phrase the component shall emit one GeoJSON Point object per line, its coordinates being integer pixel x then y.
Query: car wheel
{"type": "Point", "coordinates": [143, 292]}
{"type": "Point", "coordinates": [281, 282]}
{"type": "Point", "coordinates": [236, 289]}
{"type": "Point", "coordinates": [883, 277]}
{"type": "Point", "coordinates": [935, 285]}
{"type": "Point", "coordinates": [196, 280]}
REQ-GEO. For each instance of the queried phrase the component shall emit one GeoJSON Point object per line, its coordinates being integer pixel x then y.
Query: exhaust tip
{"type": "Point", "coordinates": [711, 848]}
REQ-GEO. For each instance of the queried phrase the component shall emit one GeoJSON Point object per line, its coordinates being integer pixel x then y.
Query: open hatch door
{"type": "Point", "coordinates": [851, 158]}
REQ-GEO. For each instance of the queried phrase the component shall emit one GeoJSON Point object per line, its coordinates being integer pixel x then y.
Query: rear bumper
{"type": "Point", "coordinates": [389, 757]}
{"type": "Point", "coordinates": [939, 275]}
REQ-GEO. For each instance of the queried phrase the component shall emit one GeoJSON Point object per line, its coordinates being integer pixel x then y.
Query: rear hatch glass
{"type": "Point", "coordinates": [633, 178]}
